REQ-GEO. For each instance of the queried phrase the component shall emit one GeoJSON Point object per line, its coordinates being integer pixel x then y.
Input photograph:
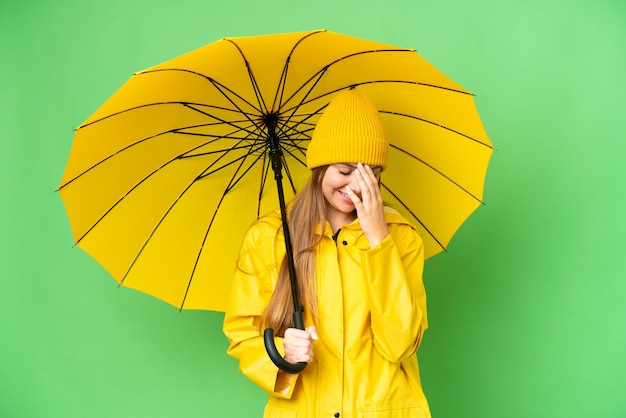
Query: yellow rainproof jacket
{"type": "Point", "coordinates": [372, 314]}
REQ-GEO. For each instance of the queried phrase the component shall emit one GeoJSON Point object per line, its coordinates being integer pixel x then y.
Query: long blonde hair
{"type": "Point", "coordinates": [307, 211]}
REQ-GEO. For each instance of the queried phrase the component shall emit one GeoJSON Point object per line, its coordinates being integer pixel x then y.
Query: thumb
{"type": "Point", "coordinates": [312, 332]}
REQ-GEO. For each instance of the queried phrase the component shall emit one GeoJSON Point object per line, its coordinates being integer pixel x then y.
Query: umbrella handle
{"type": "Point", "coordinates": [279, 361]}
{"type": "Point", "coordinates": [272, 351]}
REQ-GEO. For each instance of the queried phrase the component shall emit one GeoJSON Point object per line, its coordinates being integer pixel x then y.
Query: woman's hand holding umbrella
{"type": "Point", "coordinates": [299, 344]}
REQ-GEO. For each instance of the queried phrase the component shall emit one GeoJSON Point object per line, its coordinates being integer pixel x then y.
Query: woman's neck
{"type": "Point", "coordinates": [339, 219]}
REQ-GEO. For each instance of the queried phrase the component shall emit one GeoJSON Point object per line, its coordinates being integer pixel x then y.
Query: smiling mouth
{"type": "Point", "coordinates": [345, 196]}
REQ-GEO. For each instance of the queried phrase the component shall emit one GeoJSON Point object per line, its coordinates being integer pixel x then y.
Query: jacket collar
{"type": "Point", "coordinates": [392, 216]}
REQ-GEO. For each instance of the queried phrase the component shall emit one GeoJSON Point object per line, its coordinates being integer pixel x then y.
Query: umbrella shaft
{"type": "Point", "coordinates": [276, 157]}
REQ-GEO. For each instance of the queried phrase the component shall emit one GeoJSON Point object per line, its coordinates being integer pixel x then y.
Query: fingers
{"type": "Point", "coordinates": [370, 207]}
{"type": "Point", "coordinates": [356, 200]}
{"type": "Point", "coordinates": [298, 344]}
{"type": "Point", "coordinates": [368, 183]}
{"type": "Point", "coordinates": [370, 198]}
{"type": "Point", "coordinates": [312, 332]}
{"type": "Point", "coordinates": [368, 186]}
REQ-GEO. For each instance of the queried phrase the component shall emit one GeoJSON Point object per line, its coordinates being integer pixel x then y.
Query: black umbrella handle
{"type": "Point", "coordinates": [272, 352]}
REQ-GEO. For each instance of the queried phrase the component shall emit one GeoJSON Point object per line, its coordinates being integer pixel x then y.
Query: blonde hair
{"type": "Point", "coordinates": [307, 211]}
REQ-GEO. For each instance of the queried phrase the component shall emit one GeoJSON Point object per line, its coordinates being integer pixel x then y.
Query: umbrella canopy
{"type": "Point", "coordinates": [164, 179]}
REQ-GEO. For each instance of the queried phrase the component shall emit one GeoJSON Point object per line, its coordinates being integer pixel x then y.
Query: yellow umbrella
{"type": "Point", "coordinates": [164, 179]}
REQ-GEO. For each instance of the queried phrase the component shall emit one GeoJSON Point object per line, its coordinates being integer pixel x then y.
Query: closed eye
{"type": "Point", "coordinates": [345, 169]}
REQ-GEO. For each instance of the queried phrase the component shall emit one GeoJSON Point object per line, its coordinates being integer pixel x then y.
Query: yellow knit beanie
{"type": "Point", "coordinates": [349, 131]}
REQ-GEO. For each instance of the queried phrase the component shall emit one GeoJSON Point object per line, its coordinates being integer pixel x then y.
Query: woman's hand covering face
{"type": "Point", "coordinates": [369, 205]}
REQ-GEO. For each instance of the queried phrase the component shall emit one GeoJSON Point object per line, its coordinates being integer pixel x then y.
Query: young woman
{"type": "Point", "coordinates": [359, 269]}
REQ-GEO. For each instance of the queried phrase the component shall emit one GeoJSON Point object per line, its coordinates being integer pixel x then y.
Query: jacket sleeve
{"type": "Point", "coordinates": [396, 294]}
{"type": "Point", "coordinates": [252, 288]}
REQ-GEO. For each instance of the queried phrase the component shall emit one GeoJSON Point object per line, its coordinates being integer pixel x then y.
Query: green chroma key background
{"type": "Point", "coordinates": [526, 308]}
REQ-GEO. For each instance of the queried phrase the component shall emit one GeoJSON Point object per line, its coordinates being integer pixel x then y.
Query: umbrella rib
{"type": "Point", "coordinates": [284, 133]}
{"type": "Point", "coordinates": [195, 265]}
{"type": "Point", "coordinates": [241, 158]}
{"type": "Point", "coordinates": [233, 181]}
{"type": "Point", "coordinates": [436, 170]}
{"type": "Point", "coordinates": [233, 147]}
{"type": "Point", "coordinates": [283, 77]}
{"type": "Point", "coordinates": [178, 157]}
{"type": "Point", "coordinates": [173, 102]}
{"type": "Point", "coordinates": [317, 76]}
{"type": "Point", "coordinates": [325, 69]}
{"type": "Point", "coordinates": [438, 125]}
{"type": "Point", "coordinates": [203, 154]}
{"type": "Point", "coordinates": [295, 157]}
{"type": "Point", "coordinates": [397, 114]}
{"type": "Point", "coordinates": [214, 82]}
{"type": "Point", "coordinates": [119, 152]}
{"type": "Point", "coordinates": [280, 91]}
{"type": "Point", "coordinates": [288, 173]}
{"type": "Point", "coordinates": [374, 51]}
{"type": "Point", "coordinates": [206, 135]}
{"type": "Point", "coordinates": [182, 131]}
{"type": "Point", "coordinates": [226, 122]}
{"type": "Point", "coordinates": [255, 85]}
{"type": "Point", "coordinates": [160, 222]}
{"type": "Point", "coordinates": [266, 169]}
{"type": "Point", "coordinates": [222, 88]}
{"type": "Point", "coordinates": [179, 130]}
{"type": "Point", "coordinates": [417, 83]}
{"type": "Point", "coordinates": [286, 129]}
{"type": "Point", "coordinates": [300, 135]}
{"type": "Point", "coordinates": [246, 171]}
{"type": "Point", "coordinates": [156, 227]}
{"type": "Point", "coordinates": [413, 215]}
{"type": "Point", "coordinates": [353, 85]}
